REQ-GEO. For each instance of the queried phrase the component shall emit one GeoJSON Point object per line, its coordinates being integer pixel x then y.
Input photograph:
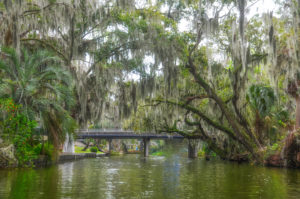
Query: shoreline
{"type": "Point", "coordinates": [44, 161]}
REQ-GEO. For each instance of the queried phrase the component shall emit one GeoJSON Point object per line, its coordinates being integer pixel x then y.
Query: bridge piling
{"type": "Point", "coordinates": [146, 146]}
{"type": "Point", "coordinates": [110, 147]}
{"type": "Point", "coordinates": [141, 146]}
{"type": "Point", "coordinates": [193, 148]}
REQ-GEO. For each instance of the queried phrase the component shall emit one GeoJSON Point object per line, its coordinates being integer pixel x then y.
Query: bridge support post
{"type": "Point", "coordinates": [110, 147]}
{"type": "Point", "coordinates": [146, 146]}
{"type": "Point", "coordinates": [193, 148]}
{"type": "Point", "coordinates": [142, 146]}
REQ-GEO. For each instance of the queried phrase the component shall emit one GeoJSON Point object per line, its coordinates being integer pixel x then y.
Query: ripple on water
{"type": "Point", "coordinates": [158, 177]}
{"type": "Point", "coordinates": [112, 171]}
{"type": "Point", "coordinates": [161, 158]}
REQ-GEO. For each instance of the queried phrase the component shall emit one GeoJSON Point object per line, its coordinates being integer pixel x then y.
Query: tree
{"type": "Point", "coordinates": [101, 43]}
{"type": "Point", "coordinates": [215, 105]}
{"type": "Point", "coordinates": [38, 82]}
{"type": "Point", "coordinates": [261, 99]}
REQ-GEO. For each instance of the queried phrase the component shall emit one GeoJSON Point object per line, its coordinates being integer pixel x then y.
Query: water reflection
{"type": "Point", "coordinates": [66, 173]}
{"type": "Point", "coordinates": [132, 176]}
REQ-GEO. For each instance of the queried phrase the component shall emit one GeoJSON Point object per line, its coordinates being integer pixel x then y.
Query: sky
{"type": "Point", "coordinates": [263, 6]}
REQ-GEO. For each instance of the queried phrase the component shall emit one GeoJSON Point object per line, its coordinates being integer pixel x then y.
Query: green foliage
{"type": "Point", "coordinates": [201, 153]}
{"type": "Point", "coordinates": [261, 98]}
{"type": "Point", "coordinates": [206, 151]}
{"type": "Point", "coordinates": [120, 36]}
{"type": "Point", "coordinates": [22, 140]}
{"type": "Point", "coordinates": [94, 149]}
{"type": "Point", "coordinates": [79, 149]}
{"type": "Point", "coordinates": [158, 153]}
{"type": "Point", "coordinates": [44, 149]}
{"type": "Point", "coordinates": [274, 147]}
{"type": "Point", "coordinates": [38, 82]}
{"type": "Point", "coordinates": [18, 129]}
{"type": "Point", "coordinates": [282, 116]}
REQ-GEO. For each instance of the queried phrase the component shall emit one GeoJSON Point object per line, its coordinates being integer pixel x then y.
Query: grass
{"type": "Point", "coordinates": [158, 153]}
{"type": "Point", "coordinates": [201, 153]}
{"type": "Point", "coordinates": [78, 149]}
{"type": "Point", "coordinates": [115, 153]}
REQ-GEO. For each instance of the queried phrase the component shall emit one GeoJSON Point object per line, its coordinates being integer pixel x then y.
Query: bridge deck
{"type": "Point", "coordinates": [121, 134]}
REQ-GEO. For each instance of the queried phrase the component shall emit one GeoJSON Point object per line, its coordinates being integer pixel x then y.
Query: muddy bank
{"type": "Point", "coordinates": [288, 155]}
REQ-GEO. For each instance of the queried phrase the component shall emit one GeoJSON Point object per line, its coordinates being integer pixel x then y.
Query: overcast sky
{"type": "Point", "coordinates": [263, 6]}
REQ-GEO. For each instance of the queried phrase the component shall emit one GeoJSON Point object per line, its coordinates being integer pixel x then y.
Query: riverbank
{"type": "Point", "coordinates": [44, 161]}
{"type": "Point", "coordinates": [76, 156]}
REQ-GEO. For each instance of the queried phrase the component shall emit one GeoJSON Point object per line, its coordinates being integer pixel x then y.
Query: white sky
{"type": "Point", "coordinates": [263, 6]}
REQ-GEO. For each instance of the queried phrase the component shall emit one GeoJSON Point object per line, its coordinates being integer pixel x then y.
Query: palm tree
{"type": "Point", "coordinates": [261, 99]}
{"type": "Point", "coordinates": [39, 82]}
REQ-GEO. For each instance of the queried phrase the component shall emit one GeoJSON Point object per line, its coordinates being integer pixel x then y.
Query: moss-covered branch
{"type": "Point", "coordinates": [46, 44]}
{"type": "Point", "coordinates": [192, 109]}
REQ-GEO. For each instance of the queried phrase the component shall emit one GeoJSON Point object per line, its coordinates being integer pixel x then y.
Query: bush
{"type": "Point", "coordinates": [18, 129]}
{"type": "Point", "coordinates": [47, 151]}
{"type": "Point", "coordinates": [38, 149]}
{"type": "Point", "coordinates": [274, 147]}
{"type": "Point", "coordinates": [94, 149]}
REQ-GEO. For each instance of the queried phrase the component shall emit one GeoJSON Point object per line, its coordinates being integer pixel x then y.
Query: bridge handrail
{"type": "Point", "coordinates": [103, 130]}
{"type": "Point", "coordinates": [122, 133]}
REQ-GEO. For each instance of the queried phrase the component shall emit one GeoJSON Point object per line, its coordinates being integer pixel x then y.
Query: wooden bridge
{"type": "Point", "coordinates": [122, 134]}
{"type": "Point", "coordinates": [110, 134]}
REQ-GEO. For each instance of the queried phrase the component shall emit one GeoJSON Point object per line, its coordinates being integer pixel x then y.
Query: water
{"type": "Point", "coordinates": [132, 176]}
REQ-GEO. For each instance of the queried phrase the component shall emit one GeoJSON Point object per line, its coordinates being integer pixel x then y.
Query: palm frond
{"type": "Point", "coordinates": [39, 82]}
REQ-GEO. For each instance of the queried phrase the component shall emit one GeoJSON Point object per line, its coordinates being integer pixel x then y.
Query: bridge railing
{"type": "Point", "coordinates": [103, 131]}
{"type": "Point", "coordinates": [123, 133]}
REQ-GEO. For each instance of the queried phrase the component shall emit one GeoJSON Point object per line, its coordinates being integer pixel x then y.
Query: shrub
{"type": "Point", "coordinates": [16, 128]}
{"type": "Point", "coordinates": [46, 149]}
{"type": "Point", "coordinates": [94, 149]}
{"type": "Point", "coordinates": [49, 150]}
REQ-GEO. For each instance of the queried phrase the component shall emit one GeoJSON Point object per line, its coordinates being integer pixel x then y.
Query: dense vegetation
{"type": "Point", "coordinates": [207, 69]}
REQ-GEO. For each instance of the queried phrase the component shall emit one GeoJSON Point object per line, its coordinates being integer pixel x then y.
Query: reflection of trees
{"type": "Point", "coordinates": [213, 179]}
{"type": "Point", "coordinates": [5, 184]}
{"type": "Point", "coordinates": [87, 180]}
{"type": "Point", "coordinates": [33, 183]}
{"type": "Point", "coordinates": [132, 176]}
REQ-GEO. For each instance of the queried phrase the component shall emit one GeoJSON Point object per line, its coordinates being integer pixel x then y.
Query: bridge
{"type": "Point", "coordinates": [110, 134]}
{"type": "Point", "coordinates": [122, 134]}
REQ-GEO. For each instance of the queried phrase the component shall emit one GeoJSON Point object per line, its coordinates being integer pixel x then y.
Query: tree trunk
{"type": "Point", "coordinates": [125, 150]}
{"type": "Point", "coordinates": [99, 148]}
{"type": "Point", "coordinates": [16, 36]}
{"type": "Point", "coordinates": [259, 127]}
{"type": "Point", "coordinates": [193, 148]}
{"type": "Point", "coordinates": [297, 112]}
{"type": "Point", "coordinates": [291, 150]}
{"type": "Point", "coordinates": [86, 146]}
{"type": "Point", "coordinates": [241, 134]}
{"type": "Point", "coordinates": [98, 142]}
{"type": "Point", "coordinates": [141, 146]}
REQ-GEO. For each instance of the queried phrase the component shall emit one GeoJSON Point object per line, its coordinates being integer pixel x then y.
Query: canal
{"type": "Point", "coordinates": [172, 175]}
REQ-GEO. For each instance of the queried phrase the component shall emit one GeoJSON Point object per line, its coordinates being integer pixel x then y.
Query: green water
{"type": "Point", "coordinates": [132, 176]}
